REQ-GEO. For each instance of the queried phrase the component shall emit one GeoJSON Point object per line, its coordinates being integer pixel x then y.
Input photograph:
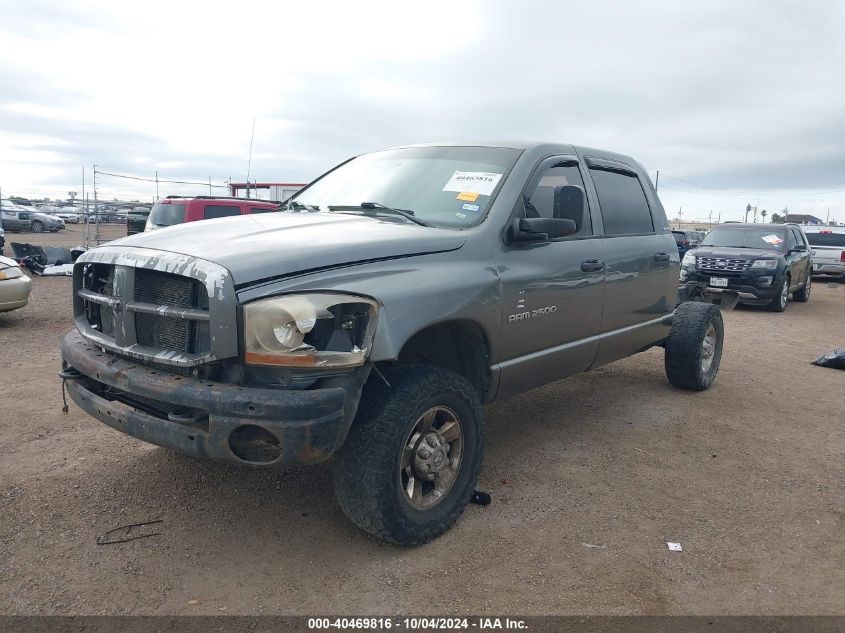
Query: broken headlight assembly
{"type": "Point", "coordinates": [317, 330]}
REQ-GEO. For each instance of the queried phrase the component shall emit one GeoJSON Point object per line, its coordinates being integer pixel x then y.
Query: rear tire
{"type": "Point", "coordinates": [803, 295]}
{"type": "Point", "coordinates": [694, 346]}
{"type": "Point", "coordinates": [382, 458]}
{"type": "Point", "coordinates": [778, 304]}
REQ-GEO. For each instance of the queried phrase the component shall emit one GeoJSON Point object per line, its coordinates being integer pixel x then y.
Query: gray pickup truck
{"type": "Point", "coordinates": [378, 310]}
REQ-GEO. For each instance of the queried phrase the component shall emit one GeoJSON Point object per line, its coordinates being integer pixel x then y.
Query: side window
{"type": "Point", "coordinates": [539, 198]}
{"type": "Point", "coordinates": [261, 209]}
{"type": "Point", "coordinates": [219, 211]}
{"type": "Point", "coordinates": [790, 239]}
{"type": "Point", "coordinates": [624, 207]}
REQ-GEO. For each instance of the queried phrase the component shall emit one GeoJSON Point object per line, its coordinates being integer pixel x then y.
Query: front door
{"type": "Point", "coordinates": [553, 291]}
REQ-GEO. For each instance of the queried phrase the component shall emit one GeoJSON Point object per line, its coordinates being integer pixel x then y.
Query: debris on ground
{"type": "Point", "coordinates": [108, 539]}
{"type": "Point", "coordinates": [480, 498]}
{"type": "Point", "coordinates": [591, 546]}
{"type": "Point", "coordinates": [40, 259]}
{"type": "Point", "coordinates": [58, 270]}
{"type": "Point", "coordinates": [834, 359]}
{"type": "Point", "coordinates": [674, 547]}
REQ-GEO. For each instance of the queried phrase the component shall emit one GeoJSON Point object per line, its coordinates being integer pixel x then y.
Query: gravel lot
{"type": "Point", "coordinates": [590, 478]}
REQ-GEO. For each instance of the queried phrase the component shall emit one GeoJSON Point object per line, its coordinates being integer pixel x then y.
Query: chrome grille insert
{"type": "Point", "coordinates": [722, 265]}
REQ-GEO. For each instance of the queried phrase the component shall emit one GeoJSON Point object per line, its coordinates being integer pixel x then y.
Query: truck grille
{"type": "Point", "coordinates": [169, 333]}
{"type": "Point", "coordinates": [722, 265]}
{"type": "Point", "coordinates": [165, 312]}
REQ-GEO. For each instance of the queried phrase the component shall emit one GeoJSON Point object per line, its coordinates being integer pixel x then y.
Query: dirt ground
{"type": "Point", "coordinates": [590, 478]}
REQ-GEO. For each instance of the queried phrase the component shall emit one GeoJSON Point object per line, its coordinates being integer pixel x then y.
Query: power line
{"type": "Point", "coordinates": [173, 182]}
{"type": "Point", "coordinates": [753, 193]}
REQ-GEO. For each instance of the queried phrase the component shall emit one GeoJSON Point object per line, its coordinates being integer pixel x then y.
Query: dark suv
{"type": "Point", "coordinates": [762, 264]}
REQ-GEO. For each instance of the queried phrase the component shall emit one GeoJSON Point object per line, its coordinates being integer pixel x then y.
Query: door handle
{"type": "Point", "coordinates": [592, 265]}
{"type": "Point", "coordinates": [661, 257]}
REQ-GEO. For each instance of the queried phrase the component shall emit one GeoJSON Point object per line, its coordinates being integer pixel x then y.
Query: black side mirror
{"type": "Point", "coordinates": [799, 248]}
{"type": "Point", "coordinates": [541, 229]}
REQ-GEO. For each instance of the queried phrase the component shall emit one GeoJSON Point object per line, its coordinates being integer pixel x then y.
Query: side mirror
{"type": "Point", "coordinates": [799, 248]}
{"type": "Point", "coordinates": [541, 229]}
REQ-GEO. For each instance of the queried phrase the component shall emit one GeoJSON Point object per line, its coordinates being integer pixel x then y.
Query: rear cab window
{"type": "Point", "coordinates": [826, 238]}
{"type": "Point", "coordinates": [166, 214]}
{"type": "Point", "coordinates": [624, 207]}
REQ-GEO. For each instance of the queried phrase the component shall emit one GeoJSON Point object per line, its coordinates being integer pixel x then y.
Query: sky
{"type": "Point", "coordinates": [733, 103]}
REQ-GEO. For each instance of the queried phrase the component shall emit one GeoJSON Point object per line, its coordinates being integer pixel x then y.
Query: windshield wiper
{"type": "Point", "coordinates": [377, 206]}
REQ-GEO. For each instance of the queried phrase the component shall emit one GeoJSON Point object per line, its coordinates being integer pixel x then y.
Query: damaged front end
{"type": "Point", "coordinates": [724, 298]}
{"type": "Point", "coordinates": [156, 356]}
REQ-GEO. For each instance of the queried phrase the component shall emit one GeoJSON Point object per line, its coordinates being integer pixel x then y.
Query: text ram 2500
{"type": "Point", "coordinates": [374, 316]}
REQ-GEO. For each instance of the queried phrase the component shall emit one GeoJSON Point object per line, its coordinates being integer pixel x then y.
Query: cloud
{"type": "Point", "coordinates": [742, 97]}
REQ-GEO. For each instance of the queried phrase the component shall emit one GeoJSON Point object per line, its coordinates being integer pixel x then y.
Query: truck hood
{"type": "Point", "coordinates": [267, 245]}
{"type": "Point", "coordinates": [735, 253]}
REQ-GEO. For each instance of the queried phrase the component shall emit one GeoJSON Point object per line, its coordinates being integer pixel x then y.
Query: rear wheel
{"type": "Point", "coordinates": [694, 346]}
{"type": "Point", "coordinates": [411, 460]}
{"type": "Point", "coordinates": [803, 295]}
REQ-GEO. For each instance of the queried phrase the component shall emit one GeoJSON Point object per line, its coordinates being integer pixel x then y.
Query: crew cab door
{"type": "Point", "coordinates": [552, 291]}
{"type": "Point", "coordinates": [642, 261]}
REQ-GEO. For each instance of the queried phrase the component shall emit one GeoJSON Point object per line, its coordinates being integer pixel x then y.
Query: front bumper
{"type": "Point", "coordinates": [304, 426]}
{"type": "Point", "coordinates": [744, 287]}
{"type": "Point", "coordinates": [14, 293]}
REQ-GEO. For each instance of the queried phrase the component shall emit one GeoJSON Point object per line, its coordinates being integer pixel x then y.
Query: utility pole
{"type": "Point", "coordinates": [209, 185]}
{"type": "Point", "coordinates": [156, 185]}
{"type": "Point", "coordinates": [657, 180]}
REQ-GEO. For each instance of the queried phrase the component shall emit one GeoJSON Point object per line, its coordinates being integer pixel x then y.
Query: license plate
{"type": "Point", "coordinates": [719, 282]}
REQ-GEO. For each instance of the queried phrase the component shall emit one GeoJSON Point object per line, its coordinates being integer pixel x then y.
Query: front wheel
{"type": "Point", "coordinates": [411, 459]}
{"type": "Point", "coordinates": [694, 346]}
{"type": "Point", "coordinates": [778, 304]}
{"type": "Point", "coordinates": [37, 227]}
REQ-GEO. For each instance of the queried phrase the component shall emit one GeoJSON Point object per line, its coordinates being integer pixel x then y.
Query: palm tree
{"type": "Point", "coordinates": [763, 213]}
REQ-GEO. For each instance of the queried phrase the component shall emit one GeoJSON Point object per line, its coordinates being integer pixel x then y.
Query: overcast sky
{"type": "Point", "coordinates": [748, 97]}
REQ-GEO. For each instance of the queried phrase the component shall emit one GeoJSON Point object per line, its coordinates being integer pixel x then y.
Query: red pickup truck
{"type": "Point", "coordinates": [174, 210]}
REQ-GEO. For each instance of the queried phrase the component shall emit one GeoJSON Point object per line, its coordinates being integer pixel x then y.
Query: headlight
{"type": "Point", "coordinates": [767, 264]}
{"type": "Point", "coordinates": [12, 272]}
{"type": "Point", "coordinates": [689, 260]}
{"type": "Point", "coordinates": [314, 330]}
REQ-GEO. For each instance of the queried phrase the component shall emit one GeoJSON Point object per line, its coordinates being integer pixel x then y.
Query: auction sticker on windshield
{"type": "Point", "coordinates": [480, 182]}
{"type": "Point", "coordinates": [772, 239]}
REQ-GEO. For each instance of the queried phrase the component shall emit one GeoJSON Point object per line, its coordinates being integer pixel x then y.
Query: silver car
{"type": "Point", "coordinates": [44, 222]}
{"type": "Point", "coordinates": [15, 218]}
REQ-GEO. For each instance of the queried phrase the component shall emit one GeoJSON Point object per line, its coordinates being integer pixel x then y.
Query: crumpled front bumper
{"type": "Point", "coordinates": [308, 425]}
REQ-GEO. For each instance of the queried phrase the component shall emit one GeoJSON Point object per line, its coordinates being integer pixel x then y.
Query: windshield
{"type": "Point", "coordinates": [167, 214]}
{"type": "Point", "coordinates": [766, 238]}
{"type": "Point", "coordinates": [441, 186]}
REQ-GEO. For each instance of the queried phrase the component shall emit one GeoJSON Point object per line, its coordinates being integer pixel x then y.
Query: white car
{"type": "Point", "coordinates": [68, 214]}
{"type": "Point", "coordinates": [15, 286]}
{"type": "Point", "coordinates": [828, 249]}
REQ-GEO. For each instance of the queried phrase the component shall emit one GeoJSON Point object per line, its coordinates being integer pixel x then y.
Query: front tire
{"type": "Point", "coordinates": [411, 459]}
{"type": "Point", "coordinates": [37, 227]}
{"type": "Point", "coordinates": [694, 346]}
{"type": "Point", "coordinates": [778, 304]}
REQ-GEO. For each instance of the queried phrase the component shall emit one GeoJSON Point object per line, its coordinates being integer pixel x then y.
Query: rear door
{"type": "Point", "coordinates": [798, 261]}
{"type": "Point", "coordinates": [641, 258]}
